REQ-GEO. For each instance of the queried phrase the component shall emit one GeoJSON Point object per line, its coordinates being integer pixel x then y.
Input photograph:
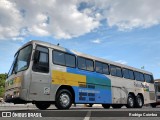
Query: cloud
{"type": "Point", "coordinates": [128, 14]}
{"type": "Point", "coordinates": [10, 20]}
{"type": "Point", "coordinates": [97, 41]}
{"type": "Point", "coordinates": [72, 18]}
{"type": "Point", "coordinates": [60, 19]}
{"type": "Point", "coordinates": [121, 61]}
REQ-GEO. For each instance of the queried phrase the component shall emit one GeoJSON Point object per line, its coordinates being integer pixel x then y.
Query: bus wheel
{"type": "Point", "coordinates": [117, 106]}
{"type": "Point", "coordinates": [42, 105]}
{"type": "Point", "coordinates": [106, 106]}
{"type": "Point", "coordinates": [63, 99]}
{"type": "Point", "coordinates": [139, 101]}
{"type": "Point", "coordinates": [130, 102]}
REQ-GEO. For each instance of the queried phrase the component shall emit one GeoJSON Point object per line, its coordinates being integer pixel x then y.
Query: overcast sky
{"type": "Point", "coordinates": [125, 31]}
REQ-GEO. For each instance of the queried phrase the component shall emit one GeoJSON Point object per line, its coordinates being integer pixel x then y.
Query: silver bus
{"type": "Point", "coordinates": [45, 74]}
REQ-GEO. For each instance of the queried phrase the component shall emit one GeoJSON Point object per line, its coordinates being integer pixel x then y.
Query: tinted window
{"type": "Point", "coordinates": [106, 69]}
{"type": "Point", "coordinates": [42, 65]}
{"type": "Point", "coordinates": [152, 79]}
{"type": "Point", "coordinates": [81, 63]}
{"type": "Point", "coordinates": [98, 67]}
{"type": "Point", "coordinates": [113, 70]}
{"type": "Point", "coordinates": [136, 75]}
{"type": "Point", "coordinates": [43, 57]}
{"type": "Point", "coordinates": [89, 64]}
{"type": "Point", "coordinates": [131, 74]}
{"type": "Point", "coordinates": [70, 60]}
{"type": "Point", "coordinates": [148, 78]}
{"type": "Point", "coordinates": [126, 73]}
{"type": "Point", "coordinates": [23, 59]}
{"type": "Point", "coordinates": [139, 76]}
{"type": "Point", "coordinates": [58, 57]}
{"type": "Point", "coordinates": [42, 49]}
{"type": "Point", "coordinates": [118, 72]}
{"type": "Point", "coordinates": [11, 69]}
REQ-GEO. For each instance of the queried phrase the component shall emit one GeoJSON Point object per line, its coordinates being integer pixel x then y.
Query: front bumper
{"type": "Point", "coordinates": [14, 96]}
{"type": "Point", "coordinates": [16, 100]}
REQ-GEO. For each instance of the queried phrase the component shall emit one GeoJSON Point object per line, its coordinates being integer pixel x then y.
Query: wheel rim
{"type": "Point", "coordinates": [64, 99]}
{"type": "Point", "coordinates": [131, 101]}
{"type": "Point", "coordinates": [139, 100]}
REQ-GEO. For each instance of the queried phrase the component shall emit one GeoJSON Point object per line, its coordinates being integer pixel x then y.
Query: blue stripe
{"type": "Point", "coordinates": [96, 84]}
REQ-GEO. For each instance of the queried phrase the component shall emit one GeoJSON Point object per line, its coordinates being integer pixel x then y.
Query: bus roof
{"type": "Point", "coordinates": [83, 55]}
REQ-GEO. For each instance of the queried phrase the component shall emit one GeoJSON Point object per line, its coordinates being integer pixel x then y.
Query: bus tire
{"type": "Point", "coordinates": [117, 106]}
{"type": "Point", "coordinates": [63, 99]}
{"type": "Point", "coordinates": [42, 105]}
{"type": "Point", "coordinates": [139, 101]}
{"type": "Point", "coordinates": [106, 106]}
{"type": "Point", "coordinates": [130, 102]}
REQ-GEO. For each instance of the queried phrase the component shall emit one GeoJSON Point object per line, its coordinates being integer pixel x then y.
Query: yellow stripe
{"type": "Point", "coordinates": [64, 78]}
{"type": "Point", "coordinates": [17, 80]}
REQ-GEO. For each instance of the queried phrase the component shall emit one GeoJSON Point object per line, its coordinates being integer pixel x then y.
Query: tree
{"type": "Point", "coordinates": [2, 84]}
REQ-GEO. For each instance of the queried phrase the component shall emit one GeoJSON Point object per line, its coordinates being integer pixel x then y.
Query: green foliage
{"type": "Point", "coordinates": [2, 84]}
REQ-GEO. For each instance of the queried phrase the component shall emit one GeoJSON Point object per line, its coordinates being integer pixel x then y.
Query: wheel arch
{"type": "Point", "coordinates": [67, 87]}
{"type": "Point", "coordinates": [140, 94]}
{"type": "Point", "coordinates": [131, 93]}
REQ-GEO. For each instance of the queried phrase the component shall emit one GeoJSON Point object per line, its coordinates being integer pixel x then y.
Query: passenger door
{"type": "Point", "coordinates": [40, 81]}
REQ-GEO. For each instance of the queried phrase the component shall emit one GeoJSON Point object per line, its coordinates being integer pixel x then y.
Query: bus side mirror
{"type": "Point", "coordinates": [36, 56]}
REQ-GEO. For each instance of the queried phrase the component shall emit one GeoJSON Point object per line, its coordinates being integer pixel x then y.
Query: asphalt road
{"type": "Point", "coordinates": [30, 112]}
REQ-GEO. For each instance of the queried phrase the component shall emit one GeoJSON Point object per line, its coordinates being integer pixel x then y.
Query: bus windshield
{"type": "Point", "coordinates": [21, 60]}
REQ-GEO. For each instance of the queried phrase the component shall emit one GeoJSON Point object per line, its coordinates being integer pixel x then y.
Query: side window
{"type": "Point", "coordinates": [148, 78]}
{"type": "Point", "coordinates": [42, 49]}
{"type": "Point", "coordinates": [81, 63]}
{"type": "Point", "coordinates": [152, 79]}
{"type": "Point", "coordinates": [139, 76]}
{"type": "Point", "coordinates": [98, 67]}
{"type": "Point", "coordinates": [126, 73]}
{"type": "Point", "coordinates": [42, 65]}
{"type": "Point", "coordinates": [106, 69]}
{"type": "Point", "coordinates": [131, 74]}
{"type": "Point", "coordinates": [102, 68]}
{"type": "Point", "coordinates": [58, 57]}
{"type": "Point", "coordinates": [113, 70]}
{"type": "Point", "coordinates": [118, 72]}
{"type": "Point", "coordinates": [70, 60]}
{"type": "Point", "coordinates": [89, 65]}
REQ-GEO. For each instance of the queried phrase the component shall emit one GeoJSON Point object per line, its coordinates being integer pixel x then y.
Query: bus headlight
{"type": "Point", "coordinates": [16, 94]}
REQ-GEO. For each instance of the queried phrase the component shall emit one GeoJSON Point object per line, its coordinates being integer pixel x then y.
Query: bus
{"type": "Point", "coordinates": [157, 91]}
{"type": "Point", "coordinates": [44, 74]}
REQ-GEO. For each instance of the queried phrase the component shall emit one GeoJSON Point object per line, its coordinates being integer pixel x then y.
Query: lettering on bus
{"type": "Point", "coordinates": [89, 91]}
